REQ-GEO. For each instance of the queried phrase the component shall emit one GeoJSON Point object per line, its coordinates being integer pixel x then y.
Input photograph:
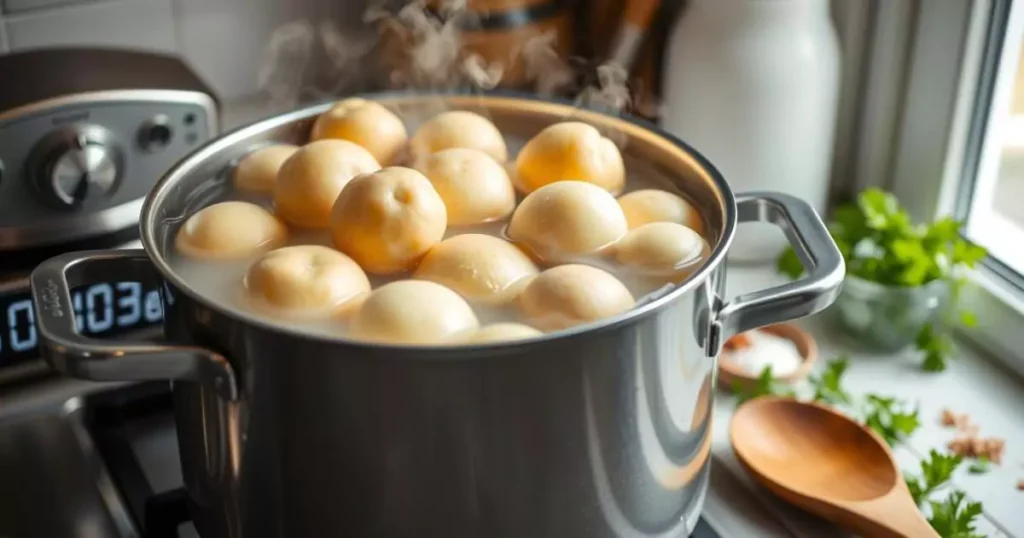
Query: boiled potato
{"type": "Point", "coordinates": [257, 171]}
{"type": "Point", "coordinates": [305, 280]}
{"type": "Point", "coordinates": [364, 122]}
{"type": "Point", "coordinates": [458, 129]}
{"type": "Point", "coordinates": [310, 180]}
{"type": "Point", "coordinates": [566, 221]}
{"type": "Point", "coordinates": [230, 230]}
{"type": "Point", "coordinates": [663, 249]}
{"type": "Point", "coordinates": [498, 332]}
{"type": "Point", "coordinates": [570, 295]}
{"type": "Point", "coordinates": [481, 268]}
{"type": "Point", "coordinates": [412, 312]}
{"type": "Point", "coordinates": [570, 151]}
{"type": "Point", "coordinates": [655, 205]}
{"type": "Point", "coordinates": [475, 188]}
{"type": "Point", "coordinates": [387, 220]}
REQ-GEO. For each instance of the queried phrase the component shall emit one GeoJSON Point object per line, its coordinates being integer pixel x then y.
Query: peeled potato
{"type": "Point", "coordinates": [474, 187]}
{"type": "Point", "coordinates": [412, 312]}
{"type": "Point", "coordinates": [498, 332]}
{"type": "Point", "coordinates": [367, 123]}
{"type": "Point", "coordinates": [567, 220]}
{"type": "Point", "coordinates": [570, 151]}
{"type": "Point", "coordinates": [654, 205]}
{"type": "Point", "coordinates": [310, 180]}
{"type": "Point", "coordinates": [230, 230]}
{"type": "Point", "coordinates": [479, 267]}
{"type": "Point", "coordinates": [305, 279]}
{"type": "Point", "coordinates": [663, 249]}
{"type": "Point", "coordinates": [570, 295]}
{"type": "Point", "coordinates": [386, 221]}
{"type": "Point", "coordinates": [257, 171]}
{"type": "Point", "coordinates": [458, 129]}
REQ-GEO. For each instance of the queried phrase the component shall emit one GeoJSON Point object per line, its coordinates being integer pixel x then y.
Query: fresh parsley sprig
{"type": "Point", "coordinates": [890, 418]}
{"type": "Point", "coordinates": [954, 518]}
{"type": "Point", "coordinates": [880, 243]}
{"type": "Point", "coordinates": [936, 471]}
{"type": "Point", "coordinates": [981, 465]}
{"type": "Point", "coordinates": [828, 386]}
{"type": "Point", "coordinates": [764, 385]}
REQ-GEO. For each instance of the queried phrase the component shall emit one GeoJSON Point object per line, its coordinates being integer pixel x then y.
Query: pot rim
{"type": "Point", "coordinates": [502, 98]}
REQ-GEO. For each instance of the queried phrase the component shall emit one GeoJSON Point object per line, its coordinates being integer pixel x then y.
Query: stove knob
{"type": "Point", "coordinates": [80, 169]}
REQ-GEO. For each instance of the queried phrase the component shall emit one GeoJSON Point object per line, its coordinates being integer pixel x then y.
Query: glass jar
{"type": "Point", "coordinates": [887, 318]}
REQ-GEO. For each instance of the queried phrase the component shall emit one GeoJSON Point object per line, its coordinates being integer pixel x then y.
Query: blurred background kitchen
{"type": "Point", "coordinates": [818, 98]}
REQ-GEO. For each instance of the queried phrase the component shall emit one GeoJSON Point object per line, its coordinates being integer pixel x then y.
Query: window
{"type": "Point", "coordinates": [960, 148]}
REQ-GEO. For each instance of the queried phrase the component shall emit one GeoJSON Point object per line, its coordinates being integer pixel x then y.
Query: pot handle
{"type": "Point", "coordinates": [80, 356]}
{"type": "Point", "coordinates": [810, 238]}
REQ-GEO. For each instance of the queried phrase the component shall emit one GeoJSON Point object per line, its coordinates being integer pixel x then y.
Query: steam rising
{"type": "Point", "coordinates": [423, 49]}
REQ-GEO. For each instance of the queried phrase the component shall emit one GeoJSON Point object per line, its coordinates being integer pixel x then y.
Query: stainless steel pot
{"type": "Point", "coordinates": [601, 431]}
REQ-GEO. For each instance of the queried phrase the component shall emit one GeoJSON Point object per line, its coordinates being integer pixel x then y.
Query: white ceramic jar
{"type": "Point", "coordinates": [754, 86]}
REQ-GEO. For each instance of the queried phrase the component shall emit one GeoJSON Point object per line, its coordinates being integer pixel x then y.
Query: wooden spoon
{"type": "Point", "coordinates": [825, 463]}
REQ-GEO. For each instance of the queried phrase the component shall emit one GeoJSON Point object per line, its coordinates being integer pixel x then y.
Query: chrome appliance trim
{"type": "Point", "coordinates": [72, 227]}
{"type": "Point", "coordinates": [119, 96]}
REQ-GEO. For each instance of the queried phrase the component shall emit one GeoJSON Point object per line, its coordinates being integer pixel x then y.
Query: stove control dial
{"type": "Point", "coordinates": [78, 167]}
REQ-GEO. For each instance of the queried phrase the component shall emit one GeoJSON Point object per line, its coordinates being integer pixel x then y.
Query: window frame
{"type": "Point", "coordinates": [948, 92]}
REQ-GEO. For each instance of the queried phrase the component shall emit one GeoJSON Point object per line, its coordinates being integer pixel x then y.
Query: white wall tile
{"type": "Point", "coordinates": [226, 40]}
{"type": "Point", "coordinates": [142, 24]}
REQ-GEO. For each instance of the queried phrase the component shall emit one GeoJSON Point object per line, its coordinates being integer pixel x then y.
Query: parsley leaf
{"type": "Point", "coordinates": [980, 466]}
{"type": "Point", "coordinates": [936, 471]}
{"type": "Point", "coordinates": [880, 243]}
{"type": "Point", "coordinates": [789, 264]}
{"type": "Point", "coordinates": [953, 518]}
{"type": "Point", "coordinates": [827, 386]}
{"type": "Point", "coordinates": [764, 385]}
{"type": "Point", "coordinates": [890, 418]}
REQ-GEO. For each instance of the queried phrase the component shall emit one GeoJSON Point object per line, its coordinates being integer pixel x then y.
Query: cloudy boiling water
{"type": "Point", "coordinates": [222, 281]}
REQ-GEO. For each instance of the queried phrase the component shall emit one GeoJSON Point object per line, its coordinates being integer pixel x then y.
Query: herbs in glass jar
{"type": "Point", "coordinates": [903, 278]}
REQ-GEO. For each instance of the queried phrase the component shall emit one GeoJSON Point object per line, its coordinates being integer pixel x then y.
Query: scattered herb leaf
{"type": "Point", "coordinates": [980, 466]}
{"type": "Point", "coordinates": [881, 244]}
{"type": "Point", "coordinates": [890, 418]}
{"type": "Point", "coordinates": [764, 385]}
{"type": "Point", "coordinates": [953, 518]}
{"type": "Point", "coordinates": [828, 386]}
{"type": "Point", "coordinates": [936, 471]}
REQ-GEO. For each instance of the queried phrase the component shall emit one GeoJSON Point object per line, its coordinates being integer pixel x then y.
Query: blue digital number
{"type": "Point", "coordinates": [154, 311]}
{"type": "Point", "coordinates": [23, 307]}
{"type": "Point", "coordinates": [76, 304]}
{"type": "Point", "coordinates": [99, 317]}
{"type": "Point", "coordinates": [130, 303]}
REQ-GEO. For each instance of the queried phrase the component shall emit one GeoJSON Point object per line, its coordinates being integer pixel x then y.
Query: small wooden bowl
{"type": "Point", "coordinates": [731, 374]}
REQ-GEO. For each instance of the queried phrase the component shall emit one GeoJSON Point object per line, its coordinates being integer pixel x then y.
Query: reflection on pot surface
{"type": "Point", "coordinates": [598, 430]}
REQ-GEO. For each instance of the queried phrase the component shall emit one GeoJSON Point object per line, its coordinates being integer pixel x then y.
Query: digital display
{"type": "Point", "coordinates": [102, 309]}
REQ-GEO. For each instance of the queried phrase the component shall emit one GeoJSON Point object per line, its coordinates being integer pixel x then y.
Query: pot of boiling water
{"type": "Point", "coordinates": [597, 431]}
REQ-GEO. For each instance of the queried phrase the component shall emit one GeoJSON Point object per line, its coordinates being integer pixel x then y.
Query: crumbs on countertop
{"type": "Point", "coordinates": [968, 443]}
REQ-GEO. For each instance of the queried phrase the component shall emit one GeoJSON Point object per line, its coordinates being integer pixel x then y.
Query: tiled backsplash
{"type": "Point", "coordinates": [225, 40]}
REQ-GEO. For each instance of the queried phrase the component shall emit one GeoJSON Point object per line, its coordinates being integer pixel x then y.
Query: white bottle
{"type": "Point", "coordinates": [753, 85]}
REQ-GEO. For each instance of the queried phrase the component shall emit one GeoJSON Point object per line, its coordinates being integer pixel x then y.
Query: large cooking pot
{"type": "Point", "coordinates": [601, 431]}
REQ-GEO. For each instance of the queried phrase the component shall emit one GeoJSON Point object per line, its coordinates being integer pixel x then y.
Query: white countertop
{"type": "Point", "coordinates": [992, 396]}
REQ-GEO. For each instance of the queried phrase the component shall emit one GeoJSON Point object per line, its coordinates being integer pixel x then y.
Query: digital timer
{"type": "Point", "coordinates": [105, 308]}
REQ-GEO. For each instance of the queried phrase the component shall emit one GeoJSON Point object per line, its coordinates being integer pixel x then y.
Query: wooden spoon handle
{"type": "Point", "coordinates": [891, 516]}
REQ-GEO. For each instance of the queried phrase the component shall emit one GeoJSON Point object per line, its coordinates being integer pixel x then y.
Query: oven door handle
{"type": "Point", "coordinates": [812, 243]}
{"type": "Point", "coordinates": [77, 355]}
